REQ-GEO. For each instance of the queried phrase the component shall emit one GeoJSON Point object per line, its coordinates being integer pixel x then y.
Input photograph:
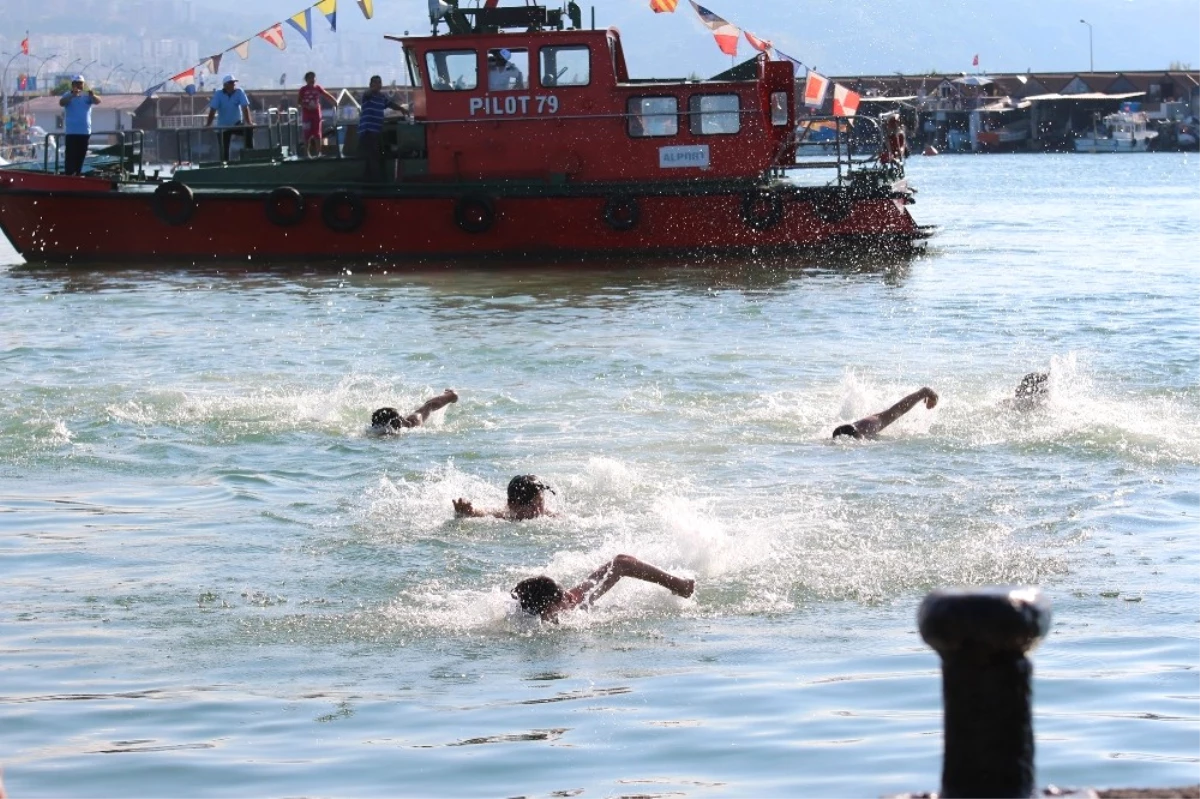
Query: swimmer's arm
{"type": "Point", "coordinates": [464, 509]}
{"type": "Point", "coordinates": [600, 581]}
{"type": "Point", "coordinates": [904, 406]}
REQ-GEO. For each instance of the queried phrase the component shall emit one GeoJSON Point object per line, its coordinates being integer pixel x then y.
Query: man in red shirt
{"type": "Point", "coordinates": [309, 100]}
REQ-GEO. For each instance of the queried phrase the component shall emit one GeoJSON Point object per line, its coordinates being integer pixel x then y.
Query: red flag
{"type": "Point", "coordinates": [845, 102]}
{"type": "Point", "coordinates": [815, 87]}
{"type": "Point", "coordinates": [726, 35]}
{"type": "Point", "coordinates": [659, 6]}
{"type": "Point", "coordinates": [975, 60]}
{"type": "Point", "coordinates": [274, 35]}
{"type": "Point", "coordinates": [22, 83]}
{"type": "Point", "coordinates": [25, 45]}
{"type": "Point", "coordinates": [761, 45]}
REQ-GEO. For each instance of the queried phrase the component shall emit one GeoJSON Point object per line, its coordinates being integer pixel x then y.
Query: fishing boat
{"type": "Point", "coordinates": [565, 155]}
{"type": "Point", "coordinates": [1121, 132]}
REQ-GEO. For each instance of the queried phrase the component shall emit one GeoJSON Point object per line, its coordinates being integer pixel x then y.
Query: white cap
{"type": "Point", "coordinates": [76, 79]}
{"type": "Point", "coordinates": [229, 79]}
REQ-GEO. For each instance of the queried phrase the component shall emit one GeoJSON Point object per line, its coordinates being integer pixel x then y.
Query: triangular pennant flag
{"type": "Point", "coordinates": [845, 102]}
{"type": "Point", "coordinates": [761, 45]}
{"type": "Point", "coordinates": [154, 88]}
{"type": "Point", "coordinates": [368, 8]}
{"type": "Point", "coordinates": [815, 87]}
{"type": "Point", "coordinates": [795, 62]}
{"type": "Point", "coordinates": [303, 23]}
{"type": "Point", "coordinates": [214, 63]}
{"type": "Point", "coordinates": [242, 49]}
{"type": "Point", "coordinates": [726, 35]}
{"type": "Point", "coordinates": [274, 35]}
{"type": "Point", "coordinates": [205, 66]}
{"type": "Point", "coordinates": [659, 6]}
{"type": "Point", "coordinates": [329, 9]}
{"type": "Point", "coordinates": [186, 80]}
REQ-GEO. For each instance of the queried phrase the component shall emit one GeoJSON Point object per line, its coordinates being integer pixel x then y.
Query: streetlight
{"type": "Point", "coordinates": [37, 75]}
{"type": "Point", "coordinates": [83, 69]}
{"type": "Point", "coordinates": [133, 77]}
{"type": "Point", "coordinates": [110, 73]}
{"type": "Point", "coordinates": [1091, 63]}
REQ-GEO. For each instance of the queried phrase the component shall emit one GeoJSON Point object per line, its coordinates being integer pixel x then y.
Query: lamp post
{"type": "Point", "coordinates": [1091, 62]}
{"type": "Point", "coordinates": [37, 75]}
{"type": "Point", "coordinates": [110, 73]}
{"type": "Point", "coordinates": [4, 86]}
{"type": "Point", "coordinates": [132, 78]}
{"type": "Point", "coordinates": [83, 69]}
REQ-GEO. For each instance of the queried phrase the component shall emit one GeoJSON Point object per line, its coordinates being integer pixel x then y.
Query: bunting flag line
{"type": "Point", "coordinates": [151, 90]}
{"type": "Point", "coordinates": [761, 45]}
{"type": "Point", "coordinates": [815, 87]}
{"type": "Point", "coordinates": [726, 35]}
{"type": "Point", "coordinates": [242, 49]}
{"type": "Point", "coordinates": [796, 65]}
{"type": "Point", "coordinates": [303, 23]}
{"type": "Point", "coordinates": [214, 63]}
{"type": "Point", "coordinates": [845, 102]}
{"type": "Point", "coordinates": [368, 8]}
{"type": "Point", "coordinates": [329, 9]}
{"type": "Point", "coordinates": [186, 80]}
{"type": "Point", "coordinates": [660, 6]}
{"type": "Point", "coordinates": [274, 35]}
{"type": "Point", "coordinates": [205, 66]}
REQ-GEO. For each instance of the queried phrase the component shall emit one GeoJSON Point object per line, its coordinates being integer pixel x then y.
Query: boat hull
{"type": "Point", "coordinates": [59, 219]}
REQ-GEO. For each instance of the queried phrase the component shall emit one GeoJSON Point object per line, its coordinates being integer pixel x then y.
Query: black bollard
{"type": "Point", "coordinates": [982, 635]}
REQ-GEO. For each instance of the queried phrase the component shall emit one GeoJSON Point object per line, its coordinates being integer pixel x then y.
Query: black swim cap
{"type": "Point", "coordinates": [847, 430]}
{"type": "Point", "coordinates": [388, 418]}
{"type": "Point", "coordinates": [525, 488]}
{"type": "Point", "coordinates": [537, 593]}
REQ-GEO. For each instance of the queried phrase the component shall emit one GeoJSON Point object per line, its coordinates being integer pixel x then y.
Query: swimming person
{"type": "Point", "coordinates": [386, 421]}
{"type": "Point", "coordinates": [870, 426]}
{"type": "Point", "coordinates": [543, 596]}
{"type": "Point", "coordinates": [526, 500]}
{"type": "Point", "coordinates": [1032, 392]}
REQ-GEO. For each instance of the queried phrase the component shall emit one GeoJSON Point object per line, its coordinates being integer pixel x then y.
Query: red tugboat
{"type": "Point", "coordinates": [527, 137]}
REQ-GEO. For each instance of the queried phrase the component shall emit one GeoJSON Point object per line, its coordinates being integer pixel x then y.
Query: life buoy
{"type": "Point", "coordinates": [285, 207]}
{"type": "Point", "coordinates": [475, 213]}
{"type": "Point", "coordinates": [622, 212]}
{"type": "Point", "coordinates": [343, 212]}
{"type": "Point", "coordinates": [173, 202]}
{"type": "Point", "coordinates": [833, 207]}
{"type": "Point", "coordinates": [762, 209]}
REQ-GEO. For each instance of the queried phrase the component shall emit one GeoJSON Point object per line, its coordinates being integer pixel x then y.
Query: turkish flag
{"type": "Point", "coordinates": [25, 46]}
{"type": "Point", "coordinates": [975, 60]}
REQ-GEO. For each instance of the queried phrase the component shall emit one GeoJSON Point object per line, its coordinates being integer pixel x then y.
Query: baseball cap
{"type": "Point", "coordinates": [76, 79]}
{"type": "Point", "coordinates": [229, 79]}
{"type": "Point", "coordinates": [505, 54]}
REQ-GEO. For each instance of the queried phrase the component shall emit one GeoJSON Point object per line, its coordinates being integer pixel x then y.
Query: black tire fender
{"type": "Point", "coordinates": [475, 213]}
{"type": "Point", "coordinates": [622, 212]}
{"type": "Point", "coordinates": [343, 212]}
{"type": "Point", "coordinates": [762, 209]}
{"type": "Point", "coordinates": [173, 203]}
{"type": "Point", "coordinates": [285, 207]}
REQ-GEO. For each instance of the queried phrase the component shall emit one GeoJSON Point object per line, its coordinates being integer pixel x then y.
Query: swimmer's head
{"type": "Point", "coordinates": [386, 420]}
{"type": "Point", "coordinates": [537, 594]}
{"type": "Point", "coordinates": [1032, 390]}
{"type": "Point", "coordinates": [526, 489]}
{"type": "Point", "coordinates": [847, 430]}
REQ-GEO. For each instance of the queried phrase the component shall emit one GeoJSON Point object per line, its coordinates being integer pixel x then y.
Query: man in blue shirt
{"type": "Point", "coordinates": [231, 107]}
{"type": "Point", "coordinates": [77, 124]}
{"type": "Point", "coordinates": [370, 127]}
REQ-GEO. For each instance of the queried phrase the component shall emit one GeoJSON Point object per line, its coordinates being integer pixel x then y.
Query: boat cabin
{"type": "Point", "coordinates": [560, 105]}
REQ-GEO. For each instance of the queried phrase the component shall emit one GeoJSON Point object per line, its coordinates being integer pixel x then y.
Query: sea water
{"type": "Point", "coordinates": [215, 583]}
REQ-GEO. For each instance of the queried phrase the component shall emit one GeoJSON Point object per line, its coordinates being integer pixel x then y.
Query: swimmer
{"type": "Point", "coordinates": [386, 421]}
{"type": "Point", "coordinates": [1032, 392]}
{"type": "Point", "coordinates": [543, 596]}
{"type": "Point", "coordinates": [871, 425]}
{"type": "Point", "coordinates": [526, 500]}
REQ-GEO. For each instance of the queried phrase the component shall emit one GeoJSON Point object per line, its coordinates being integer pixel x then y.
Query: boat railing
{"type": "Point", "coordinates": [843, 144]}
{"type": "Point", "coordinates": [197, 144]}
{"type": "Point", "coordinates": [123, 158]}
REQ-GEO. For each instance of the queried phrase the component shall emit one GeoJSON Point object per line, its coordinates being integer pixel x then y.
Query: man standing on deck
{"type": "Point", "coordinates": [77, 124]}
{"type": "Point", "coordinates": [370, 127]}
{"type": "Point", "coordinates": [231, 107]}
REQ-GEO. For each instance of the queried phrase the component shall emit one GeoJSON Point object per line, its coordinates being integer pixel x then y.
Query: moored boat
{"type": "Point", "coordinates": [567, 154]}
{"type": "Point", "coordinates": [1121, 132]}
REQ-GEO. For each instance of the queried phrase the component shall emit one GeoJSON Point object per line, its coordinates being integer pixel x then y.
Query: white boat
{"type": "Point", "coordinates": [1122, 132]}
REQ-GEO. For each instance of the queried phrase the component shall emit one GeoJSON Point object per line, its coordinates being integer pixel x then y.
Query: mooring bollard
{"type": "Point", "coordinates": [982, 635]}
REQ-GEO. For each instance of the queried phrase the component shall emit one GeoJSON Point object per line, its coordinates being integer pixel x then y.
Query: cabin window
{"type": "Point", "coordinates": [652, 116]}
{"type": "Point", "coordinates": [779, 108]}
{"type": "Point", "coordinates": [452, 70]}
{"type": "Point", "coordinates": [711, 114]}
{"type": "Point", "coordinates": [566, 66]}
{"type": "Point", "coordinates": [414, 68]}
{"type": "Point", "coordinates": [507, 70]}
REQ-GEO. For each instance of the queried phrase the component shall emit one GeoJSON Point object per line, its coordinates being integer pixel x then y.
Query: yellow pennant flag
{"type": "Point", "coordinates": [329, 9]}
{"type": "Point", "coordinates": [368, 8]}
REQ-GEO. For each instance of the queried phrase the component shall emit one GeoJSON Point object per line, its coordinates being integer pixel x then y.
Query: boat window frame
{"type": "Point", "coordinates": [558, 47]}
{"type": "Point", "coordinates": [431, 55]}
{"type": "Point", "coordinates": [697, 117]}
{"type": "Point", "coordinates": [412, 60]}
{"type": "Point", "coordinates": [633, 117]}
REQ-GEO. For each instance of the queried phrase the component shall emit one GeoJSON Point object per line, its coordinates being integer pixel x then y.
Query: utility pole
{"type": "Point", "coordinates": [1091, 62]}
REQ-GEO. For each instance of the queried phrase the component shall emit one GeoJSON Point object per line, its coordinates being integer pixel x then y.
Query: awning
{"type": "Point", "coordinates": [1004, 105]}
{"type": "Point", "coordinates": [887, 99]}
{"type": "Point", "coordinates": [1085, 96]}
